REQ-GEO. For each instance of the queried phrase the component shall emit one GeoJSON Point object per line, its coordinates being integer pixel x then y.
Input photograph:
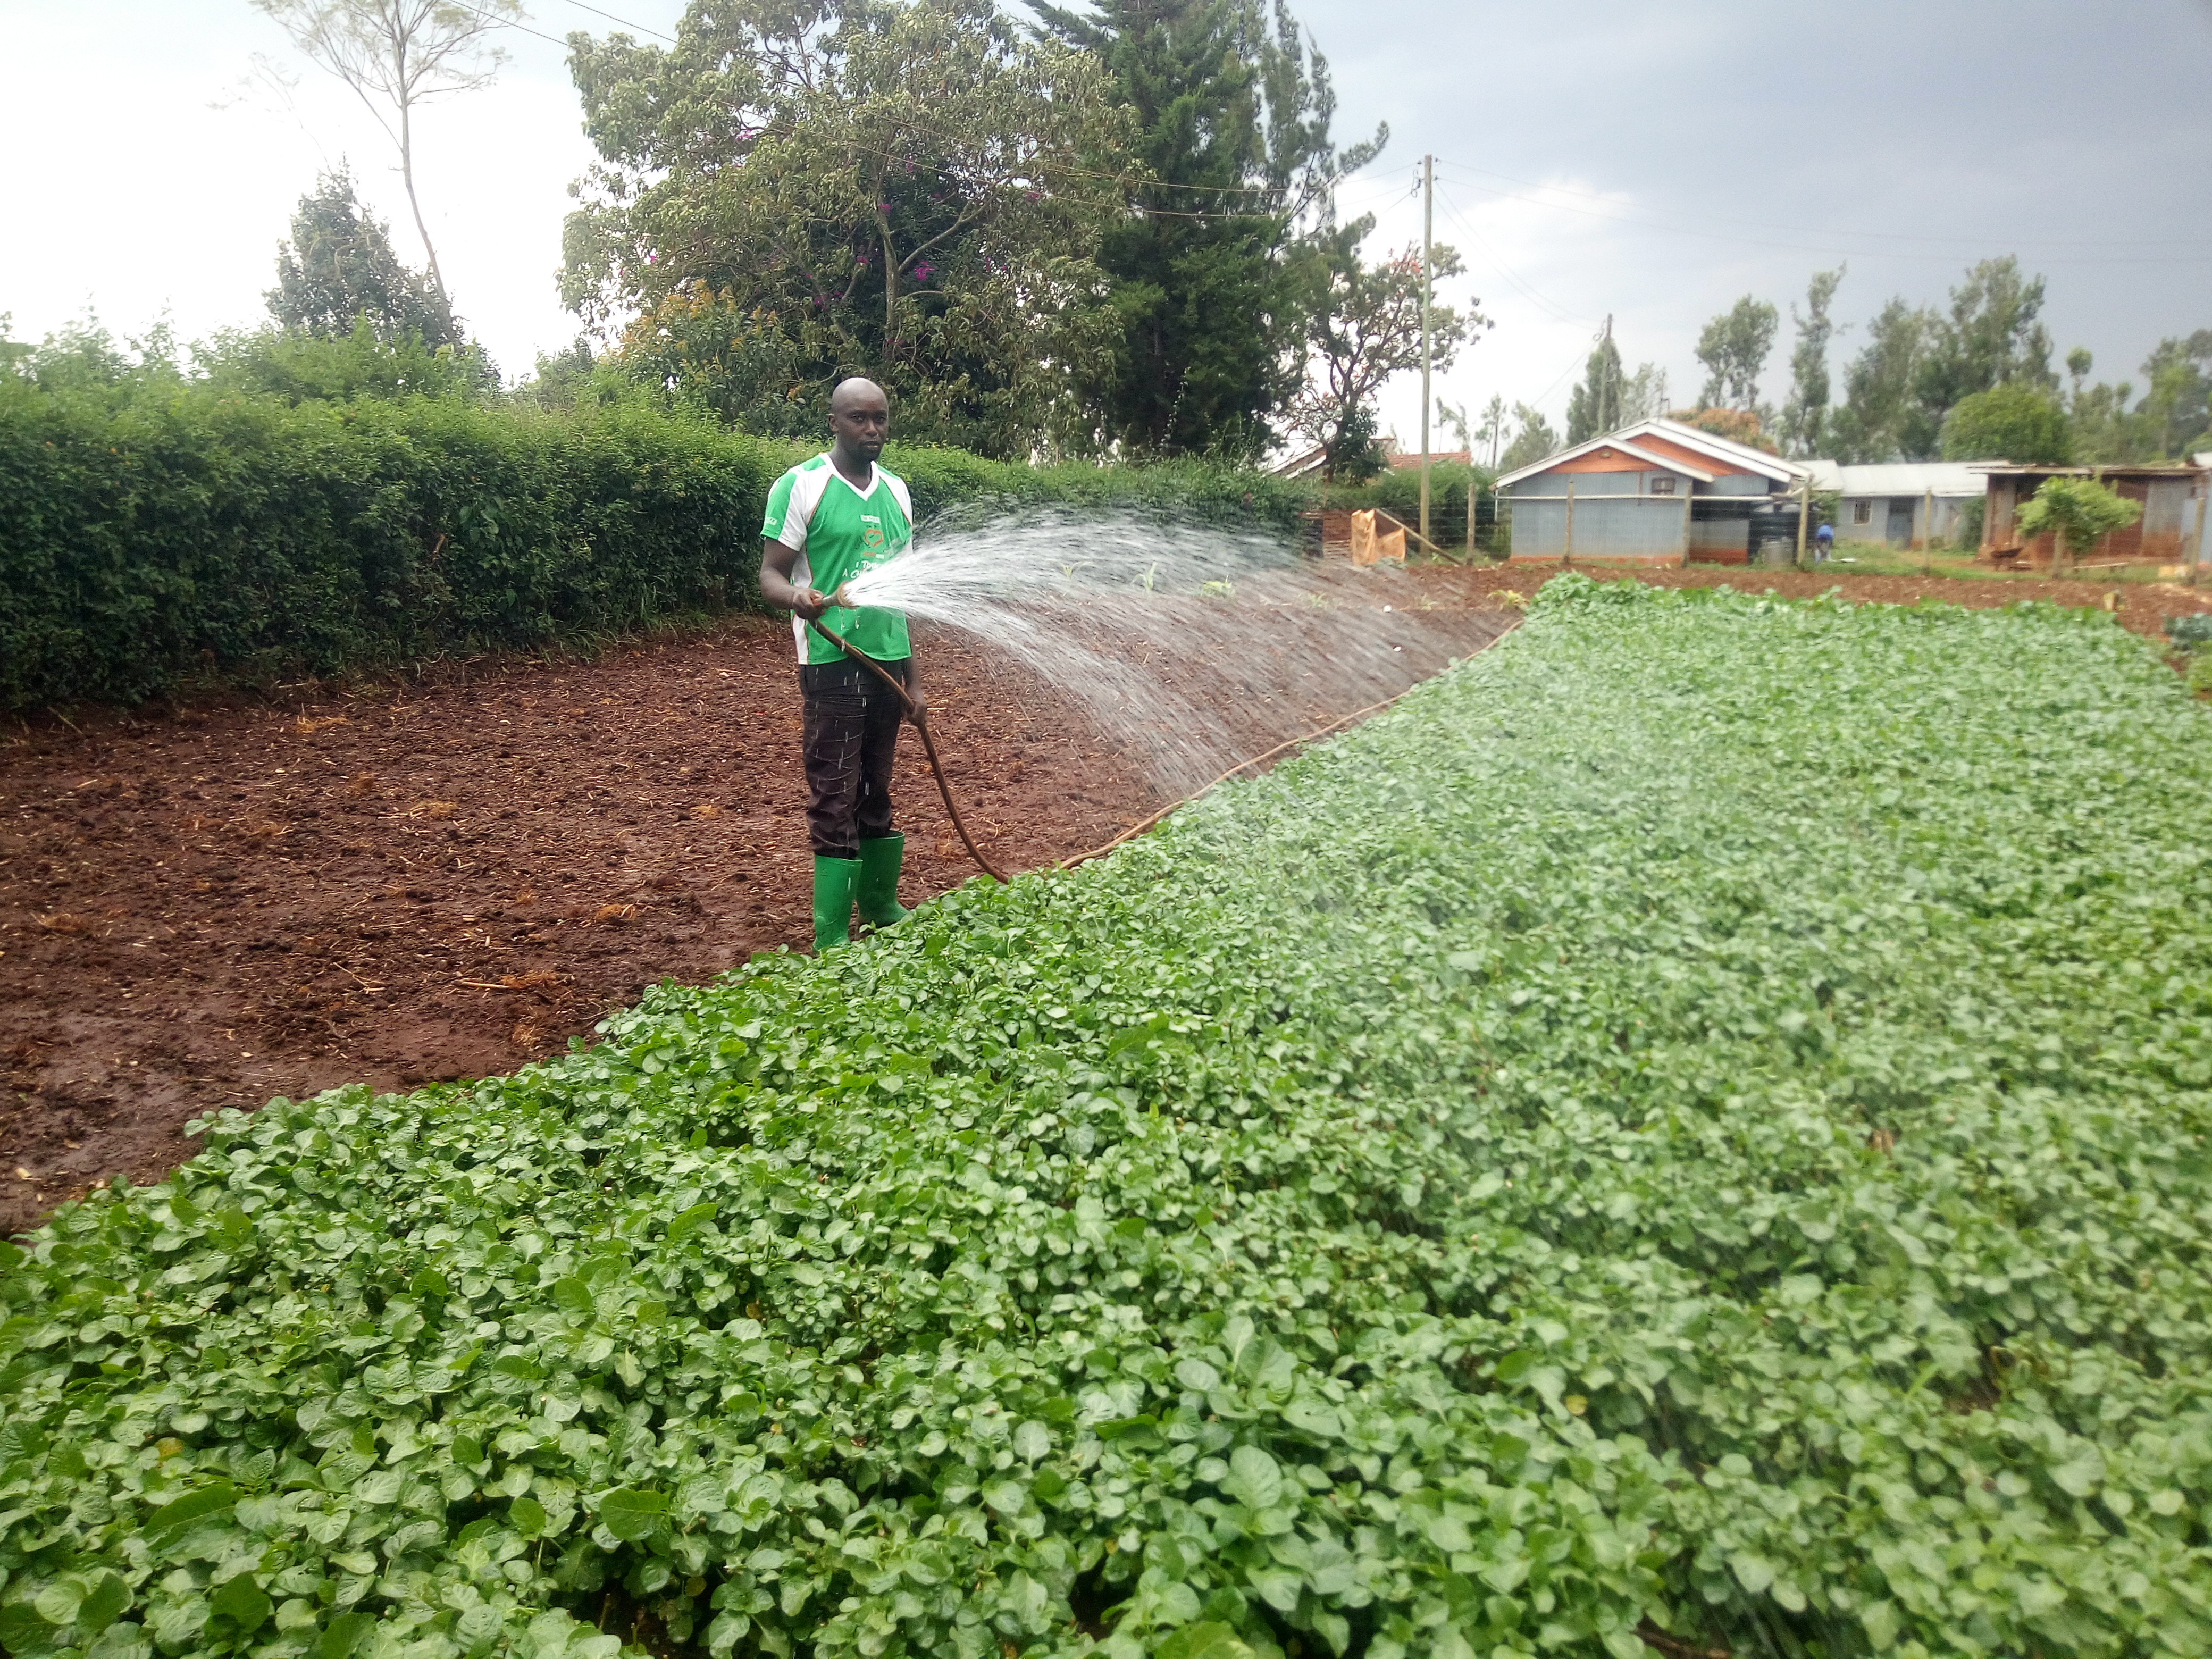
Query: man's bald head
{"type": "Point", "coordinates": [858, 393]}
{"type": "Point", "coordinates": [860, 420]}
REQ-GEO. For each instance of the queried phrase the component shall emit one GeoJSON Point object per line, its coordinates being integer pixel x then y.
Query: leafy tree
{"type": "Point", "coordinates": [1640, 398]}
{"type": "Point", "coordinates": [1593, 406]}
{"type": "Point", "coordinates": [1364, 324]}
{"type": "Point", "coordinates": [2007, 424]}
{"type": "Point", "coordinates": [1805, 416]}
{"type": "Point", "coordinates": [2078, 364]}
{"type": "Point", "coordinates": [315, 368]}
{"type": "Point", "coordinates": [2107, 427]}
{"type": "Point", "coordinates": [1233, 143]}
{"type": "Point", "coordinates": [1878, 387]}
{"type": "Point", "coordinates": [2179, 404]}
{"type": "Point", "coordinates": [1533, 442]}
{"type": "Point", "coordinates": [913, 190]}
{"type": "Point", "coordinates": [397, 55]}
{"type": "Point", "coordinates": [1492, 429]}
{"type": "Point", "coordinates": [1733, 348]}
{"type": "Point", "coordinates": [338, 267]}
{"type": "Point", "coordinates": [1990, 338]}
{"type": "Point", "coordinates": [2169, 422]}
{"type": "Point", "coordinates": [1740, 425]}
{"type": "Point", "coordinates": [2080, 511]}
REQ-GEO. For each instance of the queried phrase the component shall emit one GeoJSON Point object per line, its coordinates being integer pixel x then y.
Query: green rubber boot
{"type": "Point", "coordinates": [834, 882]}
{"type": "Point", "coordinates": [879, 873]}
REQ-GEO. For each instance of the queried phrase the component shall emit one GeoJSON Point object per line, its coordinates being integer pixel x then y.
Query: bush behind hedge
{"type": "Point", "coordinates": [157, 532]}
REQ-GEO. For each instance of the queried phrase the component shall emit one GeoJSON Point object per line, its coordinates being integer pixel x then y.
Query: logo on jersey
{"type": "Point", "coordinates": [871, 537]}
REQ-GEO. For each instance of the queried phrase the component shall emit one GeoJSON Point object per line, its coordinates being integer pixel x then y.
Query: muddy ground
{"type": "Point", "coordinates": [449, 875]}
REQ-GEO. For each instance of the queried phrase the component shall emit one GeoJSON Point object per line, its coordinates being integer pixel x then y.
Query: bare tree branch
{"type": "Point", "coordinates": [397, 54]}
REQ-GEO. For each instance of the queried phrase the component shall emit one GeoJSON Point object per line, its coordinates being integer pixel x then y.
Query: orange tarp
{"type": "Point", "coordinates": [1369, 544]}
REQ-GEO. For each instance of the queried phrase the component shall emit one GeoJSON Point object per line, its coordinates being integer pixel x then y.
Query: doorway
{"type": "Point", "coordinates": [1900, 520]}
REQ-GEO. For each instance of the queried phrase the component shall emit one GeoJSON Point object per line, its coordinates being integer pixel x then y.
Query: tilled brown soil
{"type": "Point", "coordinates": [453, 875]}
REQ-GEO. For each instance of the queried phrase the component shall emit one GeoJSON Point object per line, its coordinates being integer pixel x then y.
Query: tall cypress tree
{"type": "Point", "coordinates": [1593, 406]}
{"type": "Point", "coordinates": [1208, 269]}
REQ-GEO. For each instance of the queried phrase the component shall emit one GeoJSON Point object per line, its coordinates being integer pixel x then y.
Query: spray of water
{"type": "Point", "coordinates": [1191, 647]}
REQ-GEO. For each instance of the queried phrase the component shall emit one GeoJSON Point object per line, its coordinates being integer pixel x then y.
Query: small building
{"type": "Point", "coordinates": [2175, 503]}
{"type": "Point", "coordinates": [1658, 492]}
{"type": "Point", "coordinates": [1891, 504]}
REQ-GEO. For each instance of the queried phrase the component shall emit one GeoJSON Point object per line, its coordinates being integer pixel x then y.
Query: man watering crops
{"type": "Point", "coordinates": [829, 520]}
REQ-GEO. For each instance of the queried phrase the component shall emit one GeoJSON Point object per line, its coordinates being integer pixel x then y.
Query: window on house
{"type": "Point", "coordinates": [1662, 486]}
{"type": "Point", "coordinates": [1862, 511]}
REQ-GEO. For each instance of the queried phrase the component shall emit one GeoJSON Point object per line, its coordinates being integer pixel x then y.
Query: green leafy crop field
{"type": "Point", "coordinates": [1689, 1127]}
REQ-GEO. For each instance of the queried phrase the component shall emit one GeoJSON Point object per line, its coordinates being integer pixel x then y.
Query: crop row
{"type": "Point", "coordinates": [1688, 1133]}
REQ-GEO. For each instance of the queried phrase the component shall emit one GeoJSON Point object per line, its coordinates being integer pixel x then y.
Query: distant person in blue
{"type": "Point", "coordinates": [1824, 542]}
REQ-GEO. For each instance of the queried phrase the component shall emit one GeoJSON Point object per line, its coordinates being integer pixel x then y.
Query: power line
{"type": "Point", "coordinates": [625, 21]}
{"type": "Point", "coordinates": [1819, 230]}
{"type": "Point", "coordinates": [1558, 312]}
{"type": "Point", "coordinates": [509, 23]}
{"type": "Point", "coordinates": [1830, 252]}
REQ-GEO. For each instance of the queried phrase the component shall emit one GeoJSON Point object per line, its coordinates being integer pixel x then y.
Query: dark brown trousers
{"type": "Point", "coordinates": [850, 740]}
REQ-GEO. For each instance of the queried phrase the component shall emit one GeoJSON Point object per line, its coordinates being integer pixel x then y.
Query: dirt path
{"type": "Point", "coordinates": [430, 881]}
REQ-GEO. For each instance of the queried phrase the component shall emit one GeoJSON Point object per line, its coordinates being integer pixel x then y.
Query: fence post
{"type": "Point", "coordinates": [2203, 529]}
{"type": "Point", "coordinates": [1567, 554]}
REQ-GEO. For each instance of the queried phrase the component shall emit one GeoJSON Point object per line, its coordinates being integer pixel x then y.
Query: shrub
{"type": "Point", "coordinates": [2016, 423]}
{"type": "Point", "coordinates": [1542, 1170]}
{"type": "Point", "coordinates": [2192, 632]}
{"type": "Point", "coordinates": [186, 532]}
{"type": "Point", "coordinates": [286, 513]}
{"type": "Point", "coordinates": [2078, 512]}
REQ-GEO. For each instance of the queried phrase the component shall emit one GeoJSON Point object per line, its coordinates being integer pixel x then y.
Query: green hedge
{"type": "Point", "coordinates": [157, 532]}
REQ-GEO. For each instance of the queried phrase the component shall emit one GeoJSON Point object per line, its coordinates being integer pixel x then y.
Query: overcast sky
{"type": "Point", "coordinates": [1649, 162]}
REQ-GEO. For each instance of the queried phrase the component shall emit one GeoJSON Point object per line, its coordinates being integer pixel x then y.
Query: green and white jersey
{"type": "Point", "coordinates": [838, 532]}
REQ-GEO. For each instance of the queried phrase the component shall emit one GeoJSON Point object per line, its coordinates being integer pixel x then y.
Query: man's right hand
{"type": "Point", "coordinates": [811, 604]}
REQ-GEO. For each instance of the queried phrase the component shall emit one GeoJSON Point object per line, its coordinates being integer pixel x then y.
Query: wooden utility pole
{"type": "Point", "coordinates": [1927, 531]}
{"type": "Point", "coordinates": [2204, 533]}
{"type": "Point", "coordinates": [1607, 392]}
{"type": "Point", "coordinates": [1567, 553]}
{"type": "Point", "coordinates": [1804, 512]}
{"type": "Point", "coordinates": [1428, 225]}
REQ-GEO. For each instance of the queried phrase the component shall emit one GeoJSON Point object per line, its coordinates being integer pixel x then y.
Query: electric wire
{"type": "Point", "coordinates": [1558, 312]}
{"type": "Point", "coordinates": [1828, 253]}
{"type": "Point", "coordinates": [1822, 230]}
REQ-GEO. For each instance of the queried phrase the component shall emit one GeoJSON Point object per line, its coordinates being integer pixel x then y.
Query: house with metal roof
{"type": "Point", "coordinates": [1658, 492]}
{"type": "Point", "coordinates": [1902, 503]}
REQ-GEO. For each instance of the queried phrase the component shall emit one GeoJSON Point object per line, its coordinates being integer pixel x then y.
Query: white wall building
{"type": "Point", "coordinates": [1890, 503]}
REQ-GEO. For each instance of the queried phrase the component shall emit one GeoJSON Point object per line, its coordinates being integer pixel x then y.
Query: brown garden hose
{"type": "Point", "coordinates": [920, 724]}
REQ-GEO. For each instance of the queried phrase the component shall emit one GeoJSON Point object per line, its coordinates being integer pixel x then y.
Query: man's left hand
{"type": "Point", "coordinates": [918, 709]}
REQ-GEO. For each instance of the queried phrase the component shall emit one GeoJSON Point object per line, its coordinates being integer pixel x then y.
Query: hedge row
{"type": "Point", "coordinates": [164, 534]}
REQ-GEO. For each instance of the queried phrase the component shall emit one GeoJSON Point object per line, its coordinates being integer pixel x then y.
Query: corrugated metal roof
{"type": "Point", "coordinates": [1756, 461]}
{"type": "Point", "coordinates": [1902, 478]}
{"type": "Point", "coordinates": [1688, 437]}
